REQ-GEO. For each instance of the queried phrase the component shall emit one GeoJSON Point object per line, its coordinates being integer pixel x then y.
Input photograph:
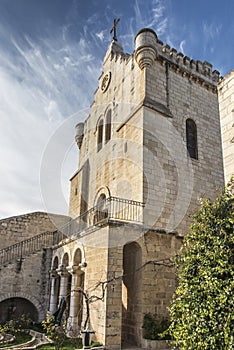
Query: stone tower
{"type": "Point", "coordinates": [152, 135]}
{"type": "Point", "coordinates": [149, 148]}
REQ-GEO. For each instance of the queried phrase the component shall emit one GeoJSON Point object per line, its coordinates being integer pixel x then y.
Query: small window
{"type": "Point", "coordinates": [108, 126]}
{"type": "Point", "coordinates": [100, 135]}
{"type": "Point", "coordinates": [191, 138]}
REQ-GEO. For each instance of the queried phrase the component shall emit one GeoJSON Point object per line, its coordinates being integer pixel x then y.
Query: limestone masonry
{"type": "Point", "coordinates": [226, 106]}
{"type": "Point", "coordinates": [150, 147]}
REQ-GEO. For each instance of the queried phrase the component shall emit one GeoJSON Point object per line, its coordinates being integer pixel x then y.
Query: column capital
{"type": "Point", "coordinates": [62, 271]}
{"type": "Point", "coordinates": [74, 270]}
{"type": "Point", "coordinates": [53, 273]}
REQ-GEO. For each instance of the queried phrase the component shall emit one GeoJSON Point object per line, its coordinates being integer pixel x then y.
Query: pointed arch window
{"type": "Point", "coordinates": [191, 138]}
{"type": "Point", "coordinates": [100, 135]}
{"type": "Point", "coordinates": [108, 126]}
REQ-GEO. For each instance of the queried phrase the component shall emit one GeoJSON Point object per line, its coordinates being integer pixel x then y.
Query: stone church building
{"type": "Point", "coordinates": [150, 147]}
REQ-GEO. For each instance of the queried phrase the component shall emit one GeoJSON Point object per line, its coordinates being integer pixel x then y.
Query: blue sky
{"type": "Point", "coordinates": [51, 58]}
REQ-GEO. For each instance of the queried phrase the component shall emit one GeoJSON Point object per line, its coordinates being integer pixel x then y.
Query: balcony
{"type": "Point", "coordinates": [111, 209]}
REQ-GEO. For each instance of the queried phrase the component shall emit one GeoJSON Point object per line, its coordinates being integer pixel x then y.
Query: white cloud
{"type": "Point", "coordinates": [42, 82]}
{"type": "Point", "coordinates": [182, 44]}
{"type": "Point", "coordinates": [52, 111]}
{"type": "Point", "coordinates": [101, 35]}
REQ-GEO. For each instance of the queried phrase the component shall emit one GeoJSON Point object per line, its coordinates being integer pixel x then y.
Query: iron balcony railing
{"type": "Point", "coordinates": [29, 246]}
{"type": "Point", "coordinates": [112, 208]}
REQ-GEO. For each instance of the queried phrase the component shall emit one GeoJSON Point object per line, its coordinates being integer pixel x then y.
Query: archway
{"type": "Point", "coordinates": [131, 294]}
{"type": "Point", "coordinates": [14, 308]}
{"type": "Point", "coordinates": [54, 286]}
{"type": "Point", "coordinates": [65, 283]}
{"type": "Point", "coordinates": [76, 303]}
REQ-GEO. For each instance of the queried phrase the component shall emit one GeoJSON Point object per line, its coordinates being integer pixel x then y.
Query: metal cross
{"type": "Point", "coordinates": [116, 21]}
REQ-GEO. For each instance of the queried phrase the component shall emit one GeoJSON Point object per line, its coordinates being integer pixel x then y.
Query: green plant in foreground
{"type": "Point", "coordinates": [12, 327]}
{"type": "Point", "coordinates": [202, 310]}
{"type": "Point", "coordinates": [20, 338]}
{"type": "Point", "coordinates": [54, 331]}
{"type": "Point", "coordinates": [95, 344]}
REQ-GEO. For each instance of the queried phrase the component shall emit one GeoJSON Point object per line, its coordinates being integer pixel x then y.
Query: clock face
{"type": "Point", "coordinates": [106, 81]}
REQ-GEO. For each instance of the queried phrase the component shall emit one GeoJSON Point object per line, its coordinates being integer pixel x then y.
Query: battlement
{"type": "Point", "coordinates": [115, 51]}
{"type": "Point", "coordinates": [149, 48]}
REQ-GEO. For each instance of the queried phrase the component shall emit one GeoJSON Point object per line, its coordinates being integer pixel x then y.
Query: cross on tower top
{"type": "Point", "coordinates": [113, 29]}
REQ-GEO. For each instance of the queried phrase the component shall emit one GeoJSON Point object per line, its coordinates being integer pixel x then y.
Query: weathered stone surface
{"type": "Point", "coordinates": [226, 107]}
{"type": "Point", "coordinates": [18, 228]}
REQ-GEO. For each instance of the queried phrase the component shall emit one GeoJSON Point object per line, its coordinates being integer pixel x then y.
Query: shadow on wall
{"type": "Point", "coordinates": [14, 308]}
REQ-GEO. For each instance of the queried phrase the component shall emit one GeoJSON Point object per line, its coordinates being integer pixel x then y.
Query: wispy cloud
{"type": "Point", "coordinates": [152, 16]}
{"type": "Point", "coordinates": [211, 30]}
{"type": "Point", "coordinates": [182, 44]}
{"type": "Point", "coordinates": [45, 79]}
{"type": "Point", "coordinates": [42, 82]}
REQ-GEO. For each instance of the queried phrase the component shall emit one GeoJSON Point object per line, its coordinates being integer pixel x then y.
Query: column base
{"type": "Point", "coordinates": [73, 328]}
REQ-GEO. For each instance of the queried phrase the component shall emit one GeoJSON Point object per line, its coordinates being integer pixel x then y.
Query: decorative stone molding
{"type": "Point", "coordinates": [145, 48]}
{"type": "Point", "coordinates": [79, 134]}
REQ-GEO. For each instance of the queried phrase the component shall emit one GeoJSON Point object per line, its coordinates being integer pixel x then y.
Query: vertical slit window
{"type": "Point", "coordinates": [108, 127]}
{"type": "Point", "coordinates": [191, 138]}
{"type": "Point", "coordinates": [100, 135]}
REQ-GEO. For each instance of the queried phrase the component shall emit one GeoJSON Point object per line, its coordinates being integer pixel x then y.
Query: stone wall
{"type": "Point", "coordinates": [21, 227]}
{"type": "Point", "coordinates": [226, 106]}
{"type": "Point", "coordinates": [136, 262]}
{"type": "Point", "coordinates": [27, 279]}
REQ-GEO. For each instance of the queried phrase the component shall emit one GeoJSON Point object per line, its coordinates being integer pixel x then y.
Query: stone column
{"type": "Point", "coordinates": [54, 289]}
{"type": "Point", "coordinates": [64, 276]}
{"type": "Point", "coordinates": [73, 325]}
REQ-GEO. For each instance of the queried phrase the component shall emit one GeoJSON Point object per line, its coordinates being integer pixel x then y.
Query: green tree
{"type": "Point", "coordinates": [202, 314]}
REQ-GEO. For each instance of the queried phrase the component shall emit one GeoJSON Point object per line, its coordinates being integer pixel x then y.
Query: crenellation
{"type": "Point", "coordinates": [166, 49]}
{"type": "Point", "coordinates": [186, 61]}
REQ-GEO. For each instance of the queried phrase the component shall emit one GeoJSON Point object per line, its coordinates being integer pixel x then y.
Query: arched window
{"type": "Point", "coordinates": [101, 211]}
{"type": "Point", "coordinates": [65, 260]}
{"type": "Point", "coordinates": [100, 135]}
{"type": "Point", "coordinates": [108, 126]}
{"type": "Point", "coordinates": [191, 138]}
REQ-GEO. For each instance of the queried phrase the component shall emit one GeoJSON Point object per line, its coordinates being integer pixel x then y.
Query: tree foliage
{"type": "Point", "coordinates": [202, 311]}
{"type": "Point", "coordinates": [55, 332]}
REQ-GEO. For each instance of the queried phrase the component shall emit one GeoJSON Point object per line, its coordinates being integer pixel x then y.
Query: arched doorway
{"type": "Point", "coordinates": [131, 294]}
{"type": "Point", "coordinates": [77, 286]}
{"type": "Point", "coordinates": [65, 279]}
{"type": "Point", "coordinates": [14, 308]}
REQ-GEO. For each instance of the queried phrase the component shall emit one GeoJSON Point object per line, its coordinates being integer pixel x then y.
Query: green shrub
{"type": "Point", "coordinates": [154, 327]}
